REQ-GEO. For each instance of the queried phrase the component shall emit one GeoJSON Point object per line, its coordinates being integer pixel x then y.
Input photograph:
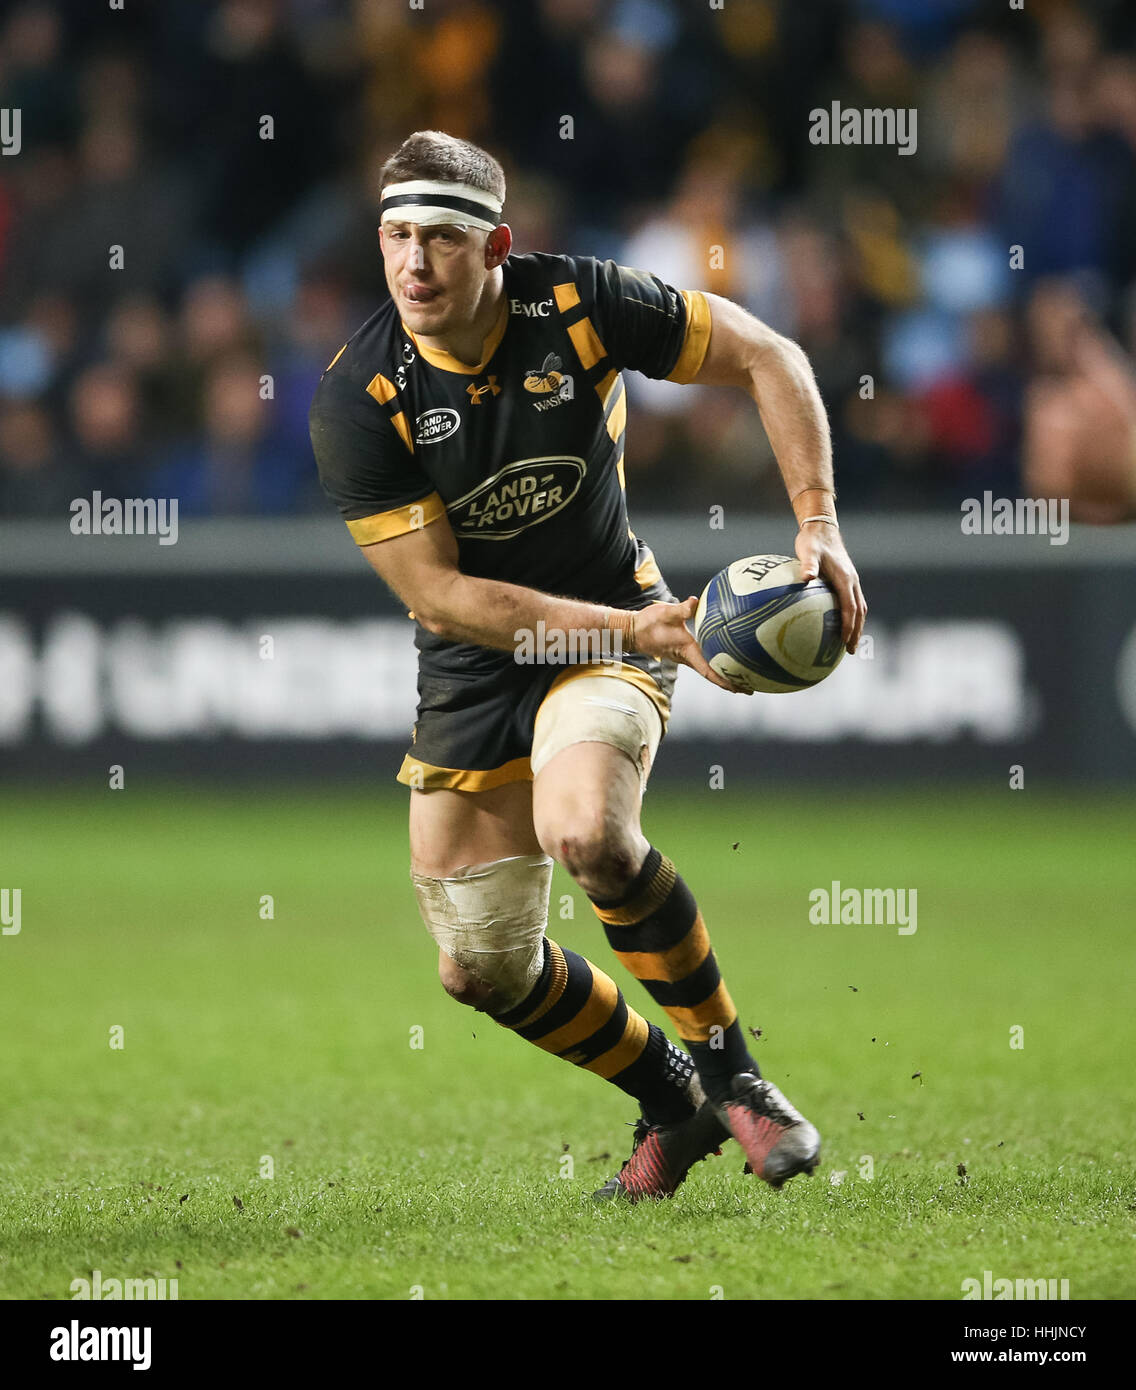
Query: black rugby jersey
{"type": "Point", "coordinates": [522, 451]}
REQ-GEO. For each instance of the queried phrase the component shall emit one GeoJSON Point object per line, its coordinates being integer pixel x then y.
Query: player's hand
{"type": "Point", "coordinates": [820, 549]}
{"type": "Point", "coordinates": [661, 631]}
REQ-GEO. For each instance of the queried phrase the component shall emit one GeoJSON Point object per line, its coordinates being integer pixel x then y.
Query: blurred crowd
{"type": "Point", "coordinates": [949, 362]}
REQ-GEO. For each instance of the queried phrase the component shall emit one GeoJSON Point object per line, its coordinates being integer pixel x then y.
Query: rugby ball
{"type": "Point", "coordinates": [763, 627]}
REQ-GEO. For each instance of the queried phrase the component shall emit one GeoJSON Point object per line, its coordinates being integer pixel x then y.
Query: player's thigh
{"type": "Point", "coordinates": [595, 740]}
{"type": "Point", "coordinates": [450, 829]}
{"type": "Point", "coordinates": [586, 804]}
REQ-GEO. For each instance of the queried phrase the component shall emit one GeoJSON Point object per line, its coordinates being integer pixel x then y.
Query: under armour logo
{"type": "Point", "coordinates": [475, 393]}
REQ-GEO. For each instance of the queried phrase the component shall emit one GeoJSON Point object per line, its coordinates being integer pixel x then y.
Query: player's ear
{"type": "Point", "coordinates": [498, 244]}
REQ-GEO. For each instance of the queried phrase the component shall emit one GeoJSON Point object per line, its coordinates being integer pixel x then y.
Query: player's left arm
{"type": "Point", "coordinates": [775, 372]}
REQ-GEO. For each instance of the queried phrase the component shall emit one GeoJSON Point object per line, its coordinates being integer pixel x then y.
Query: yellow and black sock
{"type": "Point", "coordinates": [658, 933]}
{"type": "Point", "coordinates": [577, 1012]}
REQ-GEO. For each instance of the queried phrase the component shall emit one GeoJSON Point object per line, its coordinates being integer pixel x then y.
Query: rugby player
{"type": "Point", "coordinates": [471, 433]}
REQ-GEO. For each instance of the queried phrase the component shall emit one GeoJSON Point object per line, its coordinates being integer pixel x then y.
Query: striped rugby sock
{"type": "Point", "coordinates": [577, 1012]}
{"type": "Point", "coordinates": [658, 933]}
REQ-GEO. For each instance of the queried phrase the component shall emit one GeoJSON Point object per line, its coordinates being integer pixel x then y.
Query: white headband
{"type": "Point", "coordinates": [432, 202]}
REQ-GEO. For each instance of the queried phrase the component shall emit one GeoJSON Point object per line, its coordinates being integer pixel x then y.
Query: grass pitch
{"type": "Point", "coordinates": [461, 1168]}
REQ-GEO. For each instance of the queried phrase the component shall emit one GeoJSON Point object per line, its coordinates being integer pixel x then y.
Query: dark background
{"type": "Point", "coordinates": [248, 258]}
{"type": "Point", "coordinates": [690, 129]}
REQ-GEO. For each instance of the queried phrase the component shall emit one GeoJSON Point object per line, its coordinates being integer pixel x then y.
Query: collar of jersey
{"type": "Point", "coordinates": [449, 363]}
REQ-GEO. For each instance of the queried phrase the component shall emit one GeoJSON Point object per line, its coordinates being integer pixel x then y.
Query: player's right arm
{"type": "Point", "coordinates": [400, 523]}
{"type": "Point", "coordinates": [421, 567]}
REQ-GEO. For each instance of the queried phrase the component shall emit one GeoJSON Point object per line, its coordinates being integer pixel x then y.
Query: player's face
{"type": "Point", "coordinates": [436, 275]}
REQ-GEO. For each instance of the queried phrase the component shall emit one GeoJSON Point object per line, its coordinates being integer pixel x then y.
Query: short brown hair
{"type": "Point", "coordinates": [432, 154]}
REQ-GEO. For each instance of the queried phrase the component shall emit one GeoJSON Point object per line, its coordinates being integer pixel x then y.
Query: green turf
{"type": "Point", "coordinates": [439, 1168]}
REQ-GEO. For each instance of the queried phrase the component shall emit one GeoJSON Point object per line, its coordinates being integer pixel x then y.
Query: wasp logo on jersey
{"type": "Point", "coordinates": [550, 381]}
{"type": "Point", "coordinates": [522, 494]}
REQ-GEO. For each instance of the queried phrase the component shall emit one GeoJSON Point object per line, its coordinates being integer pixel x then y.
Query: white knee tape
{"type": "Point", "coordinates": [490, 919]}
{"type": "Point", "coordinates": [598, 709]}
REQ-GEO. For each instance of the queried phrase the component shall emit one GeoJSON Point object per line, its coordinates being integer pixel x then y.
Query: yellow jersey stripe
{"type": "Point", "coordinates": [606, 386]}
{"type": "Point", "coordinates": [697, 339]}
{"type": "Point", "coordinates": [382, 526]}
{"type": "Point", "coordinates": [415, 773]}
{"type": "Point", "coordinates": [399, 422]}
{"type": "Point", "coordinates": [616, 423]}
{"type": "Point", "coordinates": [648, 572]}
{"type": "Point", "coordinates": [567, 297]}
{"type": "Point", "coordinates": [382, 389]}
{"type": "Point", "coordinates": [586, 341]}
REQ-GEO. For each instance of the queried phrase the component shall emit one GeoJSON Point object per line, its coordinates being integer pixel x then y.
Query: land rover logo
{"type": "Point", "coordinates": [436, 424]}
{"type": "Point", "coordinates": [523, 494]}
